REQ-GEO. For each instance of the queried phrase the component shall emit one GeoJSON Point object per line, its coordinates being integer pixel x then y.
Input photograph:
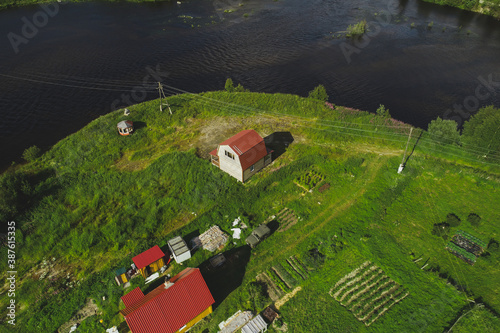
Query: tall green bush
{"type": "Point", "coordinates": [319, 93]}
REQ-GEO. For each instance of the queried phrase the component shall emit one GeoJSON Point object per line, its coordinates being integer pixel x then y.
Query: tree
{"type": "Point", "coordinates": [453, 220]}
{"type": "Point", "coordinates": [31, 153]}
{"type": "Point", "coordinates": [474, 219]}
{"type": "Point", "coordinates": [444, 131]}
{"type": "Point", "coordinates": [483, 130]}
{"type": "Point", "coordinates": [383, 112]}
{"type": "Point", "coordinates": [229, 85]}
{"type": "Point", "coordinates": [319, 93]}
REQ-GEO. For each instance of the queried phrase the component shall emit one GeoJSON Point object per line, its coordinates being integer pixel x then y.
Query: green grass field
{"type": "Point", "coordinates": [96, 199]}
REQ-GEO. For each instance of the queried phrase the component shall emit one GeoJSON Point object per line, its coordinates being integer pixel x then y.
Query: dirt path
{"type": "Point", "coordinates": [287, 297]}
{"type": "Point", "coordinates": [334, 210]}
{"type": "Point", "coordinates": [89, 309]}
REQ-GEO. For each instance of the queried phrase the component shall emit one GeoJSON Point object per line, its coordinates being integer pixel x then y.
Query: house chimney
{"type": "Point", "coordinates": [167, 283]}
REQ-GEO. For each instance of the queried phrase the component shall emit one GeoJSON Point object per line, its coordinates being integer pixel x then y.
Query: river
{"type": "Point", "coordinates": [65, 65]}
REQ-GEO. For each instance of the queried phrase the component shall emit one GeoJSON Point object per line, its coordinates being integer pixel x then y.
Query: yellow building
{"type": "Point", "coordinates": [150, 261]}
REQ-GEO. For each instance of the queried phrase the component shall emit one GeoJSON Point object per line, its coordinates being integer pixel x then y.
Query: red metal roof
{"type": "Point", "coordinates": [148, 257]}
{"type": "Point", "coordinates": [132, 297]}
{"type": "Point", "coordinates": [166, 310]}
{"type": "Point", "coordinates": [248, 145]}
{"type": "Point", "coordinates": [243, 141]}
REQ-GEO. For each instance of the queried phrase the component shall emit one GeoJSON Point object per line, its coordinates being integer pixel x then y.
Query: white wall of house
{"type": "Point", "coordinates": [230, 164]}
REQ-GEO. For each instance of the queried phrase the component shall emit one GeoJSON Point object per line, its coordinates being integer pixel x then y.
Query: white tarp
{"type": "Point", "coordinates": [236, 233]}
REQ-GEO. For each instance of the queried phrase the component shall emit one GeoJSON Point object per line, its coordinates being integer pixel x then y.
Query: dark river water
{"type": "Point", "coordinates": [59, 71]}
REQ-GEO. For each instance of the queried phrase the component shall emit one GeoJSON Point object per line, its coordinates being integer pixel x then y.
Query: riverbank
{"type": "Point", "coordinates": [487, 7]}
{"type": "Point", "coordinates": [96, 199]}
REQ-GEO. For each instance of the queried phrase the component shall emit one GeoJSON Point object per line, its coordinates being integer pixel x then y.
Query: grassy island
{"type": "Point", "coordinates": [344, 221]}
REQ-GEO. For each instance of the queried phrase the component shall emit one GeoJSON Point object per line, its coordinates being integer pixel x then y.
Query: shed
{"type": "Point", "coordinates": [149, 261]}
{"type": "Point", "coordinates": [125, 127]}
{"type": "Point", "coordinates": [179, 249]}
{"type": "Point", "coordinates": [256, 325]}
{"type": "Point", "coordinates": [269, 314]}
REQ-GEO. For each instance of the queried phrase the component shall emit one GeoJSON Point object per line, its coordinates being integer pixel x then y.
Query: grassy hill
{"type": "Point", "coordinates": [96, 199]}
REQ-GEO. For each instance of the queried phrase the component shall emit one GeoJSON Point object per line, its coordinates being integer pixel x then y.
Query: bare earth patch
{"type": "Point", "coordinates": [89, 309]}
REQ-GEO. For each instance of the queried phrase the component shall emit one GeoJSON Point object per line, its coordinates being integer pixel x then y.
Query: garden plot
{"type": "Point", "coordinates": [287, 219]}
{"type": "Point", "coordinates": [367, 292]}
{"type": "Point", "coordinates": [309, 180]}
{"type": "Point", "coordinates": [283, 277]}
{"type": "Point", "coordinates": [466, 247]}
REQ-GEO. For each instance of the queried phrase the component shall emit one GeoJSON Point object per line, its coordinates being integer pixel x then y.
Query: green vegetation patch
{"type": "Point", "coordinates": [367, 292]}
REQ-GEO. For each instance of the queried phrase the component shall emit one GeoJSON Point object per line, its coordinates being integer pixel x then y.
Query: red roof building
{"type": "Point", "coordinates": [174, 306]}
{"type": "Point", "coordinates": [149, 261]}
{"type": "Point", "coordinates": [242, 155]}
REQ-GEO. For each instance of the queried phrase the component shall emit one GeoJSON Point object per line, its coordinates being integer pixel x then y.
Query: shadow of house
{"type": "Point", "coordinates": [224, 279]}
{"type": "Point", "coordinates": [278, 142]}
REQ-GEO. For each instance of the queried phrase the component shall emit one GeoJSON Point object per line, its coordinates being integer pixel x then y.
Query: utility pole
{"type": "Point", "coordinates": [402, 165]}
{"type": "Point", "coordinates": [162, 95]}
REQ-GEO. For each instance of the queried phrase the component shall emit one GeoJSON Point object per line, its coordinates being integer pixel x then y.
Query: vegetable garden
{"type": "Point", "coordinates": [367, 292]}
{"type": "Point", "coordinates": [466, 247]}
{"type": "Point", "coordinates": [310, 179]}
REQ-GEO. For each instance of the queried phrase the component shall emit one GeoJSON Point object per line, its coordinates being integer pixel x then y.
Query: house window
{"type": "Point", "coordinates": [228, 154]}
{"type": "Point", "coordinates": [252, 168]}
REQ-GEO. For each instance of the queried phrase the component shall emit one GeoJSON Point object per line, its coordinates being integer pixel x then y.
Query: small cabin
{"type": "Point", "coordinates": [242, 155]}
{"type": "Point", "coordinates": [149, 261]}
{"type": "Point", "coordinates": [125, 127]}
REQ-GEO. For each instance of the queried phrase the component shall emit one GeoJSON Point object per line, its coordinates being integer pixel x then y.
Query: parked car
{"type": "Point", "coordinates": [258, 235]}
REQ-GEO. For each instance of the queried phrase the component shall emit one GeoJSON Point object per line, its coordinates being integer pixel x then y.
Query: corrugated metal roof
{"type": "Point", "coordinates": [148, 257]}
{"type": "Point", "coordinates": [132, 297]}
{"type": "Point", "coordinates": [165, 310]}
{"type": "Point", "coordinates": [178, 246]}
{"type": "Point", "coordinates": [255, 325]}
{"type": "Point", "coordinates": [248, 145]}
{"type": "Point", "coordinates": [243, 141]}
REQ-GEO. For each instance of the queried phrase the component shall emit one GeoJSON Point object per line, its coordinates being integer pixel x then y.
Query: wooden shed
{"type": "Point", "coordinates": [149, 261]}
{"type": "Point", "coordinates": [125, 127]}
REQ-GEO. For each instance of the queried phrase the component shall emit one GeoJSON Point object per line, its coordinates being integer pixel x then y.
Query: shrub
{"type": "Point", "coordinates": [493, 246]}
{"type": "Point", "coordinates": [319, 93]}
{"type": "Point", "coordinates": [356, 30]}
{"type": "Point", "coordinates": [229, 85]}
{"type": "Point", "coordinates": [474, 219]}
{"type": "Point", "coordinates": [453, 220]}
{"type": "Point", "coordinates": [444, 130]}
{"type": "Point", "coordinates": [383, 112]}
{"type": "Point", "coordinates": [481, 130]}
{"type": "Point", "coordinates": [441, 230]}
{"type": "Point", "coordinates": [31, 153]}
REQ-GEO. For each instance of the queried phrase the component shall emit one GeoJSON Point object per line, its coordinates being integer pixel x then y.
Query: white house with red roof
{"type": "Point", "coordinates": [175, 306]}
{"type": "Point", "coordinates": [242, 155]}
